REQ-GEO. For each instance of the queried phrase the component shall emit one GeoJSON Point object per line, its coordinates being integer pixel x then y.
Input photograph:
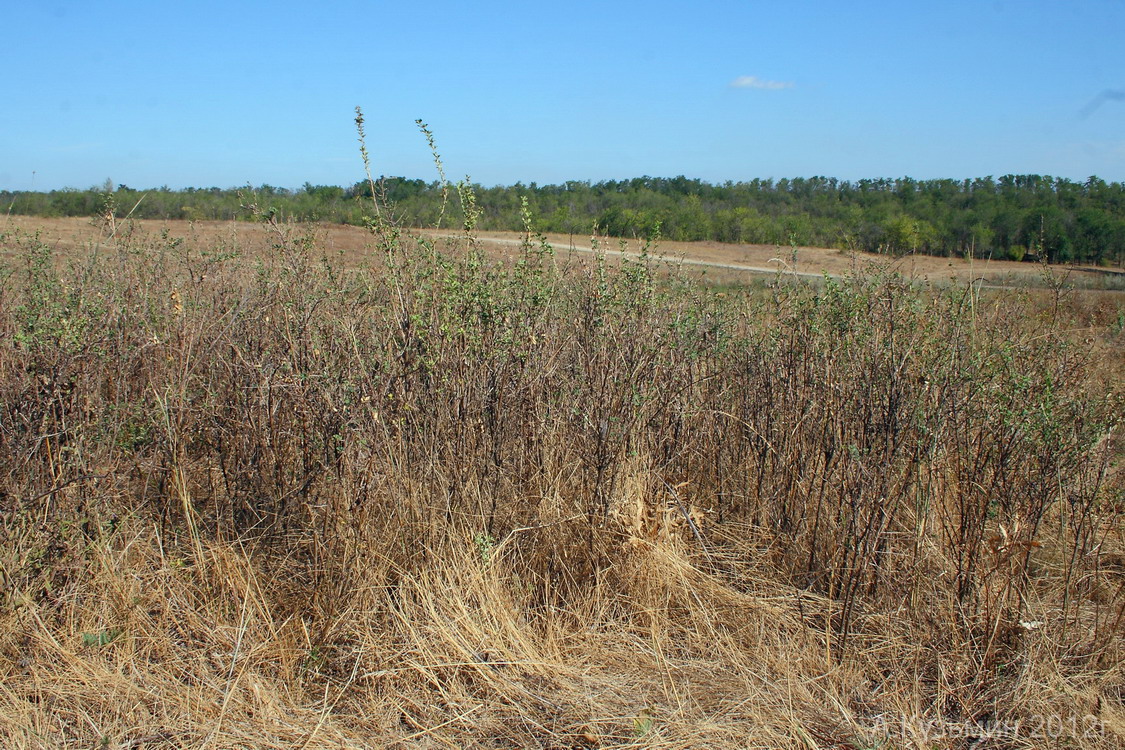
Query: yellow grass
{"type": "Point", "coordinates": [413, 497]}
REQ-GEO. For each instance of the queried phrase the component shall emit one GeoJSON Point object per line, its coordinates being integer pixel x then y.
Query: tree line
{"type": "Point", "coordinates": [1014, 216]}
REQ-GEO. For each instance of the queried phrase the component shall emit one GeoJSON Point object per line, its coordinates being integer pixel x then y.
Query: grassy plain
{"type": "Point", "coordinates": [272, 486]}
{"type": "Point", "coordinates": [350, 246]}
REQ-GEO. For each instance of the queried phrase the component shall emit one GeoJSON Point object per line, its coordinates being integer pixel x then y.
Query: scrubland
{"type": "Point", "coordinates": [441, 498]}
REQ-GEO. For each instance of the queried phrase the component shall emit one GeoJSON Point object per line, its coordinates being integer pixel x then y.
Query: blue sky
{"type": "Point", "coordinates": [231, 93]}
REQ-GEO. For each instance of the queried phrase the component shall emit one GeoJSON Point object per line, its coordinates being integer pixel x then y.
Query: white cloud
{"type": "Point", "coordinates": [753, 82]}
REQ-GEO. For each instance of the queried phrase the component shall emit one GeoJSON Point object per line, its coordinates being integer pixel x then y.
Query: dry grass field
{"type": "Point", "coordinates": [350, 246]}
{"type": "Point", "coordinates": [274, 486]}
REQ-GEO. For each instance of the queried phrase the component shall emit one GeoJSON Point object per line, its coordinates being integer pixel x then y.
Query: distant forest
{"type": "Point", "coordinates": [1015, 216]}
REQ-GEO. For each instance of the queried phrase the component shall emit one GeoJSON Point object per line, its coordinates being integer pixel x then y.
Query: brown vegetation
{"type": "Point", "coordinates": [429, 498]}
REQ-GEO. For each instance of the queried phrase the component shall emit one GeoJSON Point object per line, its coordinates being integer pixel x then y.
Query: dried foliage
{"type": "Point", "coordinates": [546, 502]}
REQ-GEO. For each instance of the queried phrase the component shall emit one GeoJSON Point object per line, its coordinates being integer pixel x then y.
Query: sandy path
{"type": "Point", "coordinates": [661, 254]}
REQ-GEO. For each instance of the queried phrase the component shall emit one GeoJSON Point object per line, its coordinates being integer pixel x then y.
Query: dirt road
{"type": "Point", "coordinates": [682, 260]}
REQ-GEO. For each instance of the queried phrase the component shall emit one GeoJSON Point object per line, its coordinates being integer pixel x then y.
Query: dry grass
{"type": "Point", "coordinates": [428, 498]}
{"type": "Point", "coordinates": [348, 247]}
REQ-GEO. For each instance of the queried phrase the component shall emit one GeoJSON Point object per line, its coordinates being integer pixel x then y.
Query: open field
{"type": "Point", "coordinates": [274, 486]}
{"type": "Point", "coordinates": [720, 262]}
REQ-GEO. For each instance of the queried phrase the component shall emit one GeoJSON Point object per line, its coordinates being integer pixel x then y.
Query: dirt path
{"type": "Point", "coordinates": [675, 259]}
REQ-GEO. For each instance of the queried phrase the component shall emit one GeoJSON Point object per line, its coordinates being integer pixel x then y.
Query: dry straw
{"type": "Point", "coordinates": [448, 500]}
